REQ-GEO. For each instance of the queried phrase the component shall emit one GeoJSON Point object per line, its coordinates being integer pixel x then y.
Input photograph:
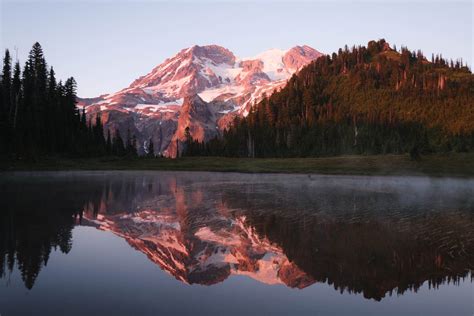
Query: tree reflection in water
{"type": "Point", "coordinates": [374, 236]}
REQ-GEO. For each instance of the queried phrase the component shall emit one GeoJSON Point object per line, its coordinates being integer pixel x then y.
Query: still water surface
{"type": "Point", "coordinates": [173, 243]}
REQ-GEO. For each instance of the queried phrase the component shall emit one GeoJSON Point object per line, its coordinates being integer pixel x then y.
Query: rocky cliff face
{"type": "Point", "coordinates": [201, 118]}
{"type": "Point", "coordinates": [208, 80]}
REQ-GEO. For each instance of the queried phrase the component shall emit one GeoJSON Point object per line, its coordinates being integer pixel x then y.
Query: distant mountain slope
{"type": "Point", "coordinates": [367, 100]}
{"type": "Point", "coordinates": [151, 105]}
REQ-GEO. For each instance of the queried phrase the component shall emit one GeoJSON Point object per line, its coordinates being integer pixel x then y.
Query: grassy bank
{"type": "Point", "coordinates": [457, 165]}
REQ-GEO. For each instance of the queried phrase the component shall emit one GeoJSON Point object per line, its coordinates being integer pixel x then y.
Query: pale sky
{"type": "Point", "coordinates": [107, 44]}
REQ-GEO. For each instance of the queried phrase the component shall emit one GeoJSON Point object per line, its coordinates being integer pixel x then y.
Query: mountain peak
{"type": "Point", "coordinates": [188, 72]}
{"type": "Point", "coordinates": [305, 50]}
{"type": "Point", "coordinates": [298, 56]}
{"type": "Point", "coordinates": [215, 53]}
{"type": "Point", "coordinates": [201, 87]}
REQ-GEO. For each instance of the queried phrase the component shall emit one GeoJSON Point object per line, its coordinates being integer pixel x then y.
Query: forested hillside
{"type": "Point", "coordinates": [364, 100]}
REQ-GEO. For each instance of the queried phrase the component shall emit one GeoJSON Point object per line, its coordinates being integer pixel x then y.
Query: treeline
{"type": "Point", "coordinates": [110, 145]}
{"type": "Point", "coordinates": [364, 100]}
{"type": "Point", "coordinates": [38, 115]}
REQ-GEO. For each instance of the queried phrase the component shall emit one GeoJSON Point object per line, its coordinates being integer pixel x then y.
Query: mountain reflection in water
{"type": "Point", "coordinates": [369, 235]}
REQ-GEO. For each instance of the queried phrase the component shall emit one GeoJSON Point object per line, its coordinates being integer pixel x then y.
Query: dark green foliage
{"type": "Point", "coordinates": [38, 115]}
{"type": "Point", "coordinates": [108, 143]}
{"type": "Point", "coordinates": [5, 98]}
{"type": "Point", "coordinates": [131, 146]}
{"type": "Point", "coordinates": [367, 100]}
{"type": "Point", "coordinates": [118, 146]}
{"type": "Point", "coordinates": [191, 147]}
{"type": "Point", "coordinates": [151, 149]}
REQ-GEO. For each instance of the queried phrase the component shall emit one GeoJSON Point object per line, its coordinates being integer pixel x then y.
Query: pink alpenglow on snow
{"type": "Point", "coordinates": [201, 87]}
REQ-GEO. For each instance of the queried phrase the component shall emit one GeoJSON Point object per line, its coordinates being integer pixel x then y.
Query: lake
{"type": "Point", "coordinates": [178, 243]}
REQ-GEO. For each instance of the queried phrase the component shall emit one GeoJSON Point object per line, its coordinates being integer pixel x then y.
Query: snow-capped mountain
{"type": "Point", "coordinates": [210, 78]}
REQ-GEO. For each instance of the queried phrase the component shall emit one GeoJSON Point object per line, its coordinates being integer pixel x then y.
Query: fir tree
{"type": "Point", "coordinates": [118, 147]}
{"type": "Point", "coordinates": [134, 146]}
{"type": "Point", "coordinates": [108, 145]}
{"type": "Point", "coordinates": [16, 95]}
{"type": "Point", "coordinates": [6, 85]}
{"type": "Point", "coordinates": [150, 149]}
{"type": "Point", "coordinates": [5, 101]}
{"type": "Point", "coordinates": [42, 117]}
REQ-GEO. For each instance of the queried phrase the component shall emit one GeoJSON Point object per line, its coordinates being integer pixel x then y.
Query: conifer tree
{"type": "Point", "coordinates": [188, 142]}
{"type": "Point", "coordinates": [5, 101]}
{"type": "Point", "coordinates": [118, 145]}
{"type": "Point", "coordinates": [39, 116]}
{"type": "Point", "coordinates": [128, 143]}
{"type": "Point", "coordinates": [150, 149]}
{"type": "Point", "coordinates": [108, 145]}
{"type": "Point", "coordinates": [16, 95]}
{"type": "Point", "coordinates": [134, 146]}
{"type": "Point", "coordinates": [6, 84]}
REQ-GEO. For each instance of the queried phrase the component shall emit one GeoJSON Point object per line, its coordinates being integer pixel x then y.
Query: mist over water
{"type": "Point", "coordinates": [181, 243]}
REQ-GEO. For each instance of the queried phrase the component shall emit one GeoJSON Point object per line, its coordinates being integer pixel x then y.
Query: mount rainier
{"type": "Point", "coordinates": [202, 87]}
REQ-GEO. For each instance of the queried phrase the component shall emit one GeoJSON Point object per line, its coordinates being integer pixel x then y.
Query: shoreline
{"type": "Point", "coordinates": [436, 165]}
